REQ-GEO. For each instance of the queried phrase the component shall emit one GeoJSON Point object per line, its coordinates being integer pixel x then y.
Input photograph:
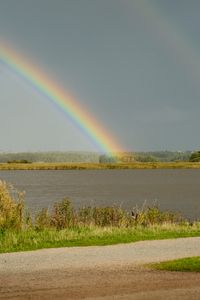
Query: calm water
{"type": "Point", "coordinates": [177, 190]}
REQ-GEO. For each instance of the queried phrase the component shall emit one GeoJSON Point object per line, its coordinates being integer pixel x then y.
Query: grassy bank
{"type": "Point", "coordinates": [190, 264]}
{"type": "Point", "coordinates": [99, 166]}
{"type": "Point", "coordinates": [31, 239]}
{"type": "Point", "coordinates": [65, 226]}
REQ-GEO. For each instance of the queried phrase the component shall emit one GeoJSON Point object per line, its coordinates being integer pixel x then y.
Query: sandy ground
{"type": "Point", "coordinates": [110, 272]}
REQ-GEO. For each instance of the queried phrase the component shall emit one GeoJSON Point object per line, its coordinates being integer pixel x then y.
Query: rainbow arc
{"type": "Point", "coordinates": [72, 109]}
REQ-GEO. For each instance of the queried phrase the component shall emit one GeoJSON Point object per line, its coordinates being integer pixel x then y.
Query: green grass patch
{"type": "Point", "coordinates": [190, 264]}
{"type": "Point", "coordinates": [31, 239]}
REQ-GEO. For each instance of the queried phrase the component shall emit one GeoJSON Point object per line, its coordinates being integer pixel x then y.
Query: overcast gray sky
{"type": "Point", "coordinates": [134, 64]}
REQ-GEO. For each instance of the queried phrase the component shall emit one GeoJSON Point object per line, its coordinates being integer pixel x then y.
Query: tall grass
{"type": "Point", "coordinates": [11, 208]}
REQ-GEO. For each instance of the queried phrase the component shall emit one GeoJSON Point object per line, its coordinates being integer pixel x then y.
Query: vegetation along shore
{"type": "Point", "coordinates": [91, 160]}
{"type": "Point", "coordinates": [62, 225]}
{"type": "Point", "coordinates": [98, 166]}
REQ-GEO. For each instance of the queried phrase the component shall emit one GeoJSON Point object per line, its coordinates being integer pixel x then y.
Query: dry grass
{"type": "Point", "coordinates": [97, 166]}
{"type": "Point", "coordinates": [11, 208]}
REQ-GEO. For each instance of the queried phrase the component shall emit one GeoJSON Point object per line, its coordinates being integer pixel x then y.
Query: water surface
{"type": "Point", "coordinates": [177, 190]}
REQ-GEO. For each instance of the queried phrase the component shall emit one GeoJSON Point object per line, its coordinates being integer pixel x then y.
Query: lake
{"type": "Point", "coordinates": [177, 190]}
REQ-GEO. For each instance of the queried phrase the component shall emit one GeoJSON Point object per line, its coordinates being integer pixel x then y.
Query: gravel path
{"type": "Point", "coordinates": [109, 272]}
{"type": "Point", "coordinates": [81, 257]}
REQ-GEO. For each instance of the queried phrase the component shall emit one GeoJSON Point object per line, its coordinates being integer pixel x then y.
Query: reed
{"type": "Point", "coordinates": [11, 208]}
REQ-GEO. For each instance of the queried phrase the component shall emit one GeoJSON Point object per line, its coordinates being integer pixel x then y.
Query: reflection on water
{"type": "Point", "coordinates": [177, 190]}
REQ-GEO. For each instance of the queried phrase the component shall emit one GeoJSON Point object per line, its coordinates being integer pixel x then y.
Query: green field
{"type": "Point", "coordinates": [190, 264]}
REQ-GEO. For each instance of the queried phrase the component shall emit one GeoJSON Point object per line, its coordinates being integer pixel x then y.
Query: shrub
{"type": "Point", "coordinates": [42, 219]}
{"type": "Point", "coordinates": [103, 216]}
{"type": "Point", "coordinates": [151, 215]}
{"type": "Point", "coordinates": [11, 207]}
{"type": "Point", "coordinates": [85, 215]}
{"type": "Point", "coordinates": [63, 215]}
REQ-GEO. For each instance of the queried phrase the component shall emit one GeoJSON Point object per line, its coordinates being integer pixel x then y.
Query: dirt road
{"type": "Point", "coordinates": [110, 272]}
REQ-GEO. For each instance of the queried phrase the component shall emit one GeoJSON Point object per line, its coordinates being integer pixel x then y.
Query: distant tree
{"type": "Point", "coordinates": [22, 161]}
{"type": "Point", "coordinates": [107, 159]}
{"type": "Point", "coordinates": [195, 157]}
{"type": "Point", "coordinates": [147, 158]}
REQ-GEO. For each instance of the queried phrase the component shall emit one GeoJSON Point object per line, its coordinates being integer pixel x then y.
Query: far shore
{"type": "Point", "coordinates": [99, 166]}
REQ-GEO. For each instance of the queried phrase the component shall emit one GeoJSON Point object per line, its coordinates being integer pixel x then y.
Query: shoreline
{"type": "Point", "coordinates": [98, 166]}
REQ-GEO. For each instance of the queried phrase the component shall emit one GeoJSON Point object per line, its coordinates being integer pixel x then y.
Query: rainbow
{"type": "Point", "coordinates": [62, 99]}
